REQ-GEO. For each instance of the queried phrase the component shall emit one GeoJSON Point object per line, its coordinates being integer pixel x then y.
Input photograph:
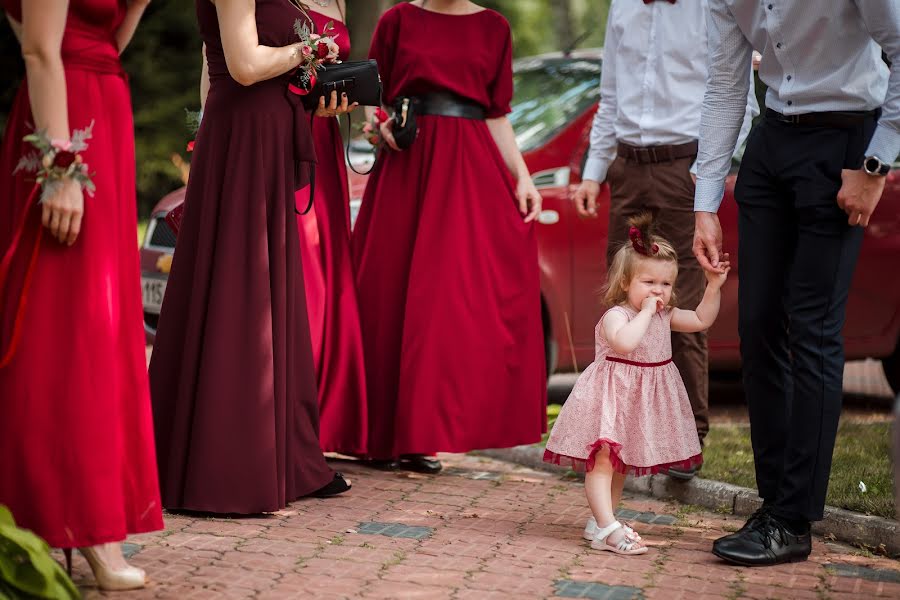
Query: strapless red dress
{"type": "Point", "coordinates": [76, 437]}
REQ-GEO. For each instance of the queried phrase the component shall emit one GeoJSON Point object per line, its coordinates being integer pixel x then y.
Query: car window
{"type": "Point", "coordinates": [550, 95]}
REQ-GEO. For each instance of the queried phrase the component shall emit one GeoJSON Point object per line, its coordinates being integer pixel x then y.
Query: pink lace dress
{"type": "Point", "coordinates": [635, 404]}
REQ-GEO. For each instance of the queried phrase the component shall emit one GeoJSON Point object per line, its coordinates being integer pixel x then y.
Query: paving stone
{"type": "Point", "coordinates": [476, 475]}
{"type": "Point", "coordinates": [481, 530]}
{"type": "Point", "coordinates": [566, 588]}
{"type": "Point", "coordinates": [885, 575]}
{"type": "Point", "coordinates": [129, 550]}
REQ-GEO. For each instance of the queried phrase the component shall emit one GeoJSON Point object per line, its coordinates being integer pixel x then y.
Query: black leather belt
{"type": "Point", "coordinates": [657, 154]}
{"type": "Point", "coordinates": [448, 105]}
{"type": "Point", "coordinates": [836, 119]}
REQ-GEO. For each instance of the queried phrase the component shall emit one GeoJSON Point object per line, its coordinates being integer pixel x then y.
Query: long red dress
{"type": "Point", "coordinates": [77, 464]}
{"type": "Point", "coordinates": [232, 377]}
{"type": "Point", "coordinates": [330, 286]}
{"type": "Point", "coordinates": [447, 270]}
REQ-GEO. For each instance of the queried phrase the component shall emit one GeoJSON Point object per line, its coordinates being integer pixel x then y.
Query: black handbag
{"type": "Point", "coordinates": [405, 127]}
{"type": "Point", "coordinates": [359, 79]}
{"type": "Point", "coordinates": [361, 82]}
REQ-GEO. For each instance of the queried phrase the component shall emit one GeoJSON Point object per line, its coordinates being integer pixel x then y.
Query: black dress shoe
{"type": "Point", "coordinates": [420, 463]}
{"type": "Point", "coordinates": [338, 485]}
{"type": "Point", "coordinates": [753, 521]}
{"type": "Point", "coordinates": [766, 541]}
{"type": "Point", "coordinates": [389, 464]}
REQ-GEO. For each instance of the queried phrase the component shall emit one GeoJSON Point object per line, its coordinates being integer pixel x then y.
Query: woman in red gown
{"type": "Point", "coordinates": [232, 377]}
{"type": "Point", "coordinates": [76, 438]}
{"type": "Point", "coordinates": [328, 277]}
{"type": "Point", "coordinates": [445, 249]}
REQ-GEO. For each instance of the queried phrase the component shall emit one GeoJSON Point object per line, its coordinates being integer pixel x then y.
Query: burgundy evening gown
{"type": "Point", "coordinates": [447, 270]}
{"type": "Point", "coordinates": [330, 286]}
{"type": "Point", "coordinates": [76, 438]}
{"type": "Point", "coordinates": [232, 376]}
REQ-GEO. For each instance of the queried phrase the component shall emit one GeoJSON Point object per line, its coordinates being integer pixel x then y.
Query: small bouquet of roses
{"type": "Point", "coordinates": [55, 160]}
{"type": "Point", "coordinates": [371, 129]}
{"type": "Point", "coordinates": [314, 50]}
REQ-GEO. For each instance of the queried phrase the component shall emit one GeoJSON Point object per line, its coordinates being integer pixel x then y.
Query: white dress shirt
{"type": "Point", "coordinates": [817, 55]}
{"type": "Point", "coordinates": [654, 76]}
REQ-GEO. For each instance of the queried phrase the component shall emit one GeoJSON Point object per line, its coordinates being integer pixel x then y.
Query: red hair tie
{"type": "Point", "coordinates": [637, 242]}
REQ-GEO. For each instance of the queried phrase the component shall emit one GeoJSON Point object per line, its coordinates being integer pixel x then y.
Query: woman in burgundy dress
{"type": "Point", "coordinates": [445, 247]}
{"type": "Point", "coordinates": [232, 377]}
{"type": "Point", "coordinates": [76, 439]}
{"type": "Point", "coordinates": [328, 273]}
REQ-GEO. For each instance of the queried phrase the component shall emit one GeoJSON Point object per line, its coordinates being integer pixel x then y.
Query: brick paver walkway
{"type": "Point", "coordinates": [481, 530]}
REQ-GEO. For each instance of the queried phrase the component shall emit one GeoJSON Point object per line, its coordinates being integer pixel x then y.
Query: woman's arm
{"type": "Point", "coordinates": [129, 25]}
{"type": "Point", "coordinates": [249, 62]}
{"type": "Point", "coordinates": [527, 195]}
{"type": "Point", "coordinates": [43, 25]}
{"type": "Point", "coordinates": [204, 79]}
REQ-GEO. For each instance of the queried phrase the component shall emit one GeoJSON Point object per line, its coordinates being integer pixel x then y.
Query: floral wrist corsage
{"type": "Point", "coordinates": [371, 129]}
{"type": "Point", "coordinates": [314, 51]}
{"type": "Point", "coordinates": [57, 160]}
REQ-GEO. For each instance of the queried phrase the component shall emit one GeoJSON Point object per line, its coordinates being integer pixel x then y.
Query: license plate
{"type": "Point", "coordinates": [154, 290]}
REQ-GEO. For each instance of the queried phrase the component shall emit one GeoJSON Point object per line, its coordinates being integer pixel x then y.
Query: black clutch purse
{"type": "Point", "coordinates": [405, 128]}
{"type": "Point", "coordinates": [359, 79]}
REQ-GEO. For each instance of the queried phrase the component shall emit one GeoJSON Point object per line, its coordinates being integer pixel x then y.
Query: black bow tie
{"type": "Point", "coordinates": [650, 1]}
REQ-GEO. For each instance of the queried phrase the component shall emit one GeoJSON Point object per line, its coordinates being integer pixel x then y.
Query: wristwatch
{"type": "Point", "coordinates": [873, 166]}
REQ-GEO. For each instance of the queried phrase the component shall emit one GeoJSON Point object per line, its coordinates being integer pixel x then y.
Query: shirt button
{"type": "Point", "coordinates": [778, 45]}
{"type": "Point", "coordinates": [789, 77]}
{"type": "Point", "coordinates": [770, 7]}
{"type": "Point", "coordinates": [790, 103]}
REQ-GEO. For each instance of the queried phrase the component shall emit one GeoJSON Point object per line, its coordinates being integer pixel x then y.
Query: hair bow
{"type": "Point", "coordinates": [637, 242]}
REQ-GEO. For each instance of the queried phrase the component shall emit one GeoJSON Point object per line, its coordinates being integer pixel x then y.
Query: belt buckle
{"type": "Point", "coordinates": [792, 119]}
{"type": "Point", "coordinates": [643, 155]}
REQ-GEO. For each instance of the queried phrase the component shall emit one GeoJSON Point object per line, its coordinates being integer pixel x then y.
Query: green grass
{"type": "Point", "coordinates": [862, 453]}
{"type": "Point", "coordinates": [141, 230]}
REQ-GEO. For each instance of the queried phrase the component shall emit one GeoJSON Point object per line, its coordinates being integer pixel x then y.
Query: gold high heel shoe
{"type": "Point", "coordinates": [109, 579]}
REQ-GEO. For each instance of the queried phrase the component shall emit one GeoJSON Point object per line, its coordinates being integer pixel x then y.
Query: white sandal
{"type": "Point", "coordinates": [626, 545]}
{"type": "Point", "coordinates": [590, 530]}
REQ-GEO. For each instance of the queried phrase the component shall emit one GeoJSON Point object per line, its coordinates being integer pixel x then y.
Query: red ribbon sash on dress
{"type": "Point", "coordinates": [638, 364]}
{"type": "Point", "coordinates": [5, 266]}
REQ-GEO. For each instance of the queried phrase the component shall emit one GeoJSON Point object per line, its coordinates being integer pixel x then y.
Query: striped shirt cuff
{"type": "Point", "coordinates": [708, 195]}
{"type": "Point", "coordinates": [595, 169]}
{"type": "Point", "coordinates": [885, 144]}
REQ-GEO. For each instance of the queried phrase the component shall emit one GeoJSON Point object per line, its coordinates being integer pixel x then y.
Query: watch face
{"type": "Point", "coordinates": [874, 166]}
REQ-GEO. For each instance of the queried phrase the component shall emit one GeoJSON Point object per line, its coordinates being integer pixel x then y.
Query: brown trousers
{"type": "Point", "coordinates": [667, 189]}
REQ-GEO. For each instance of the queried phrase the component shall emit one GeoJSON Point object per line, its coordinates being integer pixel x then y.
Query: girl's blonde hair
{"type": "Point", "coordinates": [643, 244]}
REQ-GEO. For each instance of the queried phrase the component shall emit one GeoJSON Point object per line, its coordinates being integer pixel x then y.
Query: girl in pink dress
{"type": "Point", "coordinates": [629, 411]}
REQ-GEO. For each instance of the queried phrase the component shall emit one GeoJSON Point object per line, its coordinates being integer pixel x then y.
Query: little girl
{"type": "Point", "coordinates": [629, 411]}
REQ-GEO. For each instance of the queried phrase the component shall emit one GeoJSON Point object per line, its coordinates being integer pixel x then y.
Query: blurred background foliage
{"type": "Point", "coordinates": [163, 63]}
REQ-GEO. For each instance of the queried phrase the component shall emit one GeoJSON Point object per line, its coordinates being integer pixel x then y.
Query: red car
{"type": "Point", "coordinates": [555, 101]}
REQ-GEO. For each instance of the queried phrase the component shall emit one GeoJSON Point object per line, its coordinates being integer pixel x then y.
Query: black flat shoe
{"type": "Point", "coordinates": [382, 465]}
{"type": "Point", "coordinates": [420, 464]}
{"type": "Point", "coordinates": [336, 486]}
{"type": "Point", "coordinates": [764, 542]}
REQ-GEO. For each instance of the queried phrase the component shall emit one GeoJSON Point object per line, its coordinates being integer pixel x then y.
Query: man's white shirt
{"type": "Point", "coordinates": [817, 56]}
{"type": "Point", "coordinates": [655, 61]}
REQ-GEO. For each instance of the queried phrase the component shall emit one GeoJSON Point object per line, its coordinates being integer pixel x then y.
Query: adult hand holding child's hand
{"type": "Point", "coordinates": [717, 280]}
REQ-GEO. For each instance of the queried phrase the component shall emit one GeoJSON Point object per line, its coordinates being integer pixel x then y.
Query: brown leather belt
{"type": "Point", "coordinates": [657, 154]}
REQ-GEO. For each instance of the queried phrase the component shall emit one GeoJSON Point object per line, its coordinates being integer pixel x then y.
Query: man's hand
{"type": "Point", "coordinates": [859, 195]}
{"type": "Point", "coordinates": [708, 241]}
{"type": "Point", "coordinates": [585, 198]}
